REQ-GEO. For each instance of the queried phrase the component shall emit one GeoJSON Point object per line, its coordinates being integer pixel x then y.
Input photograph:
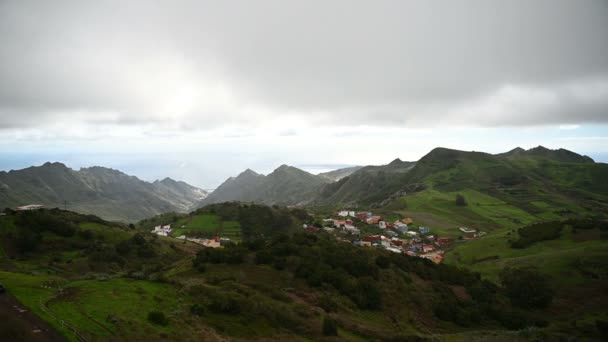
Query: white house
{"type": "Point", "coordinates": [382, 224]}
{"type": "Point", "coordinates": [400, 226]}
{"type": "Point", "coordinates": [467, 230]}
{"type": "Point", "coordinates": [346, 213]}
{"type": "Point", "coordinates": [162, 230]}
{"type": "Point", "coordinates": [393, 249]}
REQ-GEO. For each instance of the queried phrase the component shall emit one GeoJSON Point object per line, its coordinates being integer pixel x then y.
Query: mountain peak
{"type": "Point", "coordinates": [166, 180]}
{"type": "Point", "coordinates": [397, 161]}
{"type": "Point", "coordinates": [561, 155]}
{"type": "Point", "coordinates": [248, 173]}
{"type": "Point", "coordinates": [54, 164]}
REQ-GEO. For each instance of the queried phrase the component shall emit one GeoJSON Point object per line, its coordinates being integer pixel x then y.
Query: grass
{"type": "Point", "coordinates": [554, 257]}
{"type": "Point", "coordinates": [208, 224]}
{"type": "Point", "coordinates": [439, 211]}
{"type": "Point", "coordinates": [88, 304]}
{"type": "Point", "coordinates": [32, 291]}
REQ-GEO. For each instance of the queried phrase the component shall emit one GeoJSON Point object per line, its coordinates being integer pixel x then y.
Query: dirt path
{"type": "Point", "coordinates": [19, 324]}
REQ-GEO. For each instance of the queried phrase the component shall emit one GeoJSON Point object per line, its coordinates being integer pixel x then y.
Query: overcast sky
{"type": "Point", "coordinates": [199, 90]}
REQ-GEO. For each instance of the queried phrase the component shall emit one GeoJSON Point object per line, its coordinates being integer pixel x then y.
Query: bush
{"type": "Point", "coordinates": [197, 309]}
{"type": "Point", "coordinates": [330, 327]}
{"type": "Point", "coordinates": [383, 261]}
{"type": "Point", "coordinates": [225, 304]}
{"type": "Point", "coordinates": [460, 200]}
{"type": "Point", "coordinates": [537, 232]}
{"type": "Point", "coordinates": [158, 318]}
{"type": "Point", "coordinates": [328, 304]}
{"type": "Point", "coordinates": [526, 287]}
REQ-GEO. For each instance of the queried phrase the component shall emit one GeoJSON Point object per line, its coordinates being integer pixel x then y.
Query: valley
{"type": "Point", "coordinates": [429, 262]}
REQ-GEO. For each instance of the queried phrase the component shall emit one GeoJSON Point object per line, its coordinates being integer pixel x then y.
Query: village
{"type": "Point", "coordinates": [399, 236]}
{"type": "Point", "coordinates": [166, 230]}
{"type": "Point", "coordinates": [364, 229]}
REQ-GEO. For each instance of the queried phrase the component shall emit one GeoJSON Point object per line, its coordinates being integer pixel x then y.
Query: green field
{"type": "Point", "coordinates": [98, 308]}
{"type": "Point", "coordinates": [490, 254]}
{"type": "Point", "coordinates": [209, 225]}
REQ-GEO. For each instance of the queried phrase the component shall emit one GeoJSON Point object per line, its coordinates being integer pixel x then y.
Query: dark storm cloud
{"type": "Point", "coordinates": [382, 62]}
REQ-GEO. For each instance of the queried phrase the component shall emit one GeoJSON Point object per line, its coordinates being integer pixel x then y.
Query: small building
{"type": "Point", "coordinates": [424, 230]}
{"type": "Point", "coordinates": [428, 248]}
{"type": "Point", "coordinates": [382, 224]}
{"type": "Point", "coordinates": [162, 230]}
{"type": "Point", "coordinates": [467, 230]}
{"type": "Point", "coordinates": [400, 226]}
{"type": "Point", "coordinates": [442, 241]}
{"type": "Point", "coordinates": [339, 223]}
{"type": "Point", "coordinates": [407, 220]}
{"type": "Point", "coordinates": [394, 250]}
{"type": "Point", "coordinates": [373, 220]}
{"type": "Point", "coordinates": [412, 233]}
{"type": "Point", "coordinates": [372, 238]}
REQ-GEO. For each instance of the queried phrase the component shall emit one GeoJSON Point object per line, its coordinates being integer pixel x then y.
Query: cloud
{"type": "Point", "coordinates": [202, 65]}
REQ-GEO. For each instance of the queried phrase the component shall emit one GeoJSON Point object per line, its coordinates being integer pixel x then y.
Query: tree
{"type": "Point", "coordinates": [157, 317]}
{"type": "Point", "coordinates": [526, 287]}
{"type": "Point", "coordinates": [460, 200]}
{"type": "Point", "coordinates": [330, 327]}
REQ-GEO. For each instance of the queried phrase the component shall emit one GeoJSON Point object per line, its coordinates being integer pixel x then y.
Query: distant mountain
{"type": "Point", "coordinates": [286, 185]}
{"type": "Point", "coordinates": [338, 174]}
{"type": "Point", "coordinates": [366, 185]}
{"type": "Point", "coordinates": [105, 192]}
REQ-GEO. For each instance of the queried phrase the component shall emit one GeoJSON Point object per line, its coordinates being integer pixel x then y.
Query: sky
{"type": "Point", "coordinates": [201, 90]}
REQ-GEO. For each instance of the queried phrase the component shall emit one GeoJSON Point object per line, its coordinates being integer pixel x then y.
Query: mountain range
{"type": "Point", "coordinates": [102, 191]}
{"type": "Point", "coordinates": [516, 176]}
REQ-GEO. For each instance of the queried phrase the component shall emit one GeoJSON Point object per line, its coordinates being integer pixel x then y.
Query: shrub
{"type": "Point", "coordinates": [158, 318]}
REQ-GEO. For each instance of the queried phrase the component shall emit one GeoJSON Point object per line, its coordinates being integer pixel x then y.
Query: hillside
{"type": "Point", "coordinates": [105, 192]}
{"type": "Point", "coordinates": [279, 287]}
{"type": "Point", "coordinates": [522, 178]}
{"type": "Point", "coordinates": [286, 185]}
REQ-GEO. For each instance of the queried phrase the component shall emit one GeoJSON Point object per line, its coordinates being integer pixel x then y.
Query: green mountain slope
{"type": "Point", "coordinates": [94, 280]}
{"type": "Point", "coordinates": [286, 185]}
{"type": "Point", "coordinates": [366, 185]}
{"type": "Point", "coordinates": [105, 192]}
